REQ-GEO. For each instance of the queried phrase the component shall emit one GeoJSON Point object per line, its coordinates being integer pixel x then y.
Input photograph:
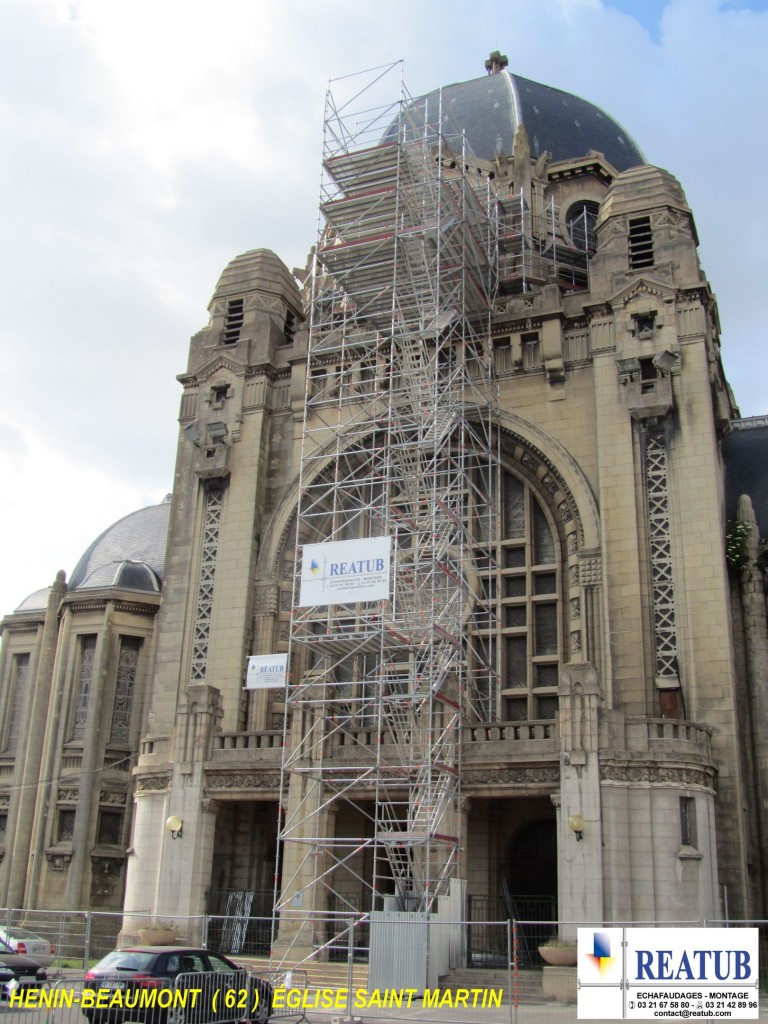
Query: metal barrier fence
{"type": "Point", "coordinates": [81, 938]}
{"type": "Point", "coordinates": [193, 997]}
{"type": "Point", "coordinates": [502, 978]}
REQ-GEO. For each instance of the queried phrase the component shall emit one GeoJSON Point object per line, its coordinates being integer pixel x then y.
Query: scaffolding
{"type": "Point", "coordinates": [398, 443]}
{"type": "Point", "coordinates": [533, 249]}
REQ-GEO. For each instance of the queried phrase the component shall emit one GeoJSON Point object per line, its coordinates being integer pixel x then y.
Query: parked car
{"type": "Point", "coordinates": [16, 967]}
{"type": "Point", "coordinates": [21, 940]}
{"type": "Point", "coordinates": [181, 967]}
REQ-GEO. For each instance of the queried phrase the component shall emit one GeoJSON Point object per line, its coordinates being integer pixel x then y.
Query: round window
{"type": "Point", "coordinates": [580, 222]}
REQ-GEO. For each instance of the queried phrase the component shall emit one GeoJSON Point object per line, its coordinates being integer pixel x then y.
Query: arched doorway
{"type": "Point", "coordinates": [531, 873]}
{"type": "Point", "coordinates": [530, 884]}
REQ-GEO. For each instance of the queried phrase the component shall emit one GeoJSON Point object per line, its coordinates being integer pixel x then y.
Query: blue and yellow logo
{"type": "Point", "coordinates": [601, 952]}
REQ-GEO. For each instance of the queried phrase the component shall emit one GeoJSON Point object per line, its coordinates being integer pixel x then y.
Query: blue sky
{"type": "Point", "coordinates": [648, 13]}
{"type": "Point", "coordinates": [148, 142]}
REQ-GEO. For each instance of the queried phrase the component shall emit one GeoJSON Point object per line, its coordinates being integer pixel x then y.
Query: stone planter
{"type": "Point", "coordinates": [560, 984]}
{"type": "Point", "coordinates": [559, 956]}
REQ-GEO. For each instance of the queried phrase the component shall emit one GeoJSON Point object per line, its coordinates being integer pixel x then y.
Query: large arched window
{"type": "Point", "coordinates": [519, 619]}
{"type": "Point", "coordinates": [514, 622]}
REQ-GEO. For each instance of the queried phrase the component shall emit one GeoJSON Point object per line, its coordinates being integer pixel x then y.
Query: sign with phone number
{"type": "Point", "coordinates": [675, 973]}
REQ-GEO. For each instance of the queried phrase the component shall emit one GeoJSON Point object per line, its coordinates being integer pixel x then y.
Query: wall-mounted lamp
{"type": "Point", "coordinates": [174, 825]}
{"type": "Point", "coordinates": [664, 361]}
{"type": "Point", "coordinates": [218, 432]}
{"type": "Point", "coordinates": [575, 823]}
{"type": "Point", "coordinates": [193, 434]}
{"type": "Point", "coordinates": [629, 369]}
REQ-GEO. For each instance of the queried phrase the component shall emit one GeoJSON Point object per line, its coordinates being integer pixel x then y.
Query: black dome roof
{"type": "Point", "coordinates": [489, 110]}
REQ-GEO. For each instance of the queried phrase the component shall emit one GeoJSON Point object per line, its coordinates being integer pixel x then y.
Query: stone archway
{"type": "Point", "coordinates": [531, 871]}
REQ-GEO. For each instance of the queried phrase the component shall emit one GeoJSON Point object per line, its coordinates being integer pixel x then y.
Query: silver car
{"type": "Point", "coordinates": [23, 941]}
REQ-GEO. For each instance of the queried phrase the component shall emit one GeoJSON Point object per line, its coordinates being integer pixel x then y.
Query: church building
{"type": "Point", "coordinates": [504, 329]}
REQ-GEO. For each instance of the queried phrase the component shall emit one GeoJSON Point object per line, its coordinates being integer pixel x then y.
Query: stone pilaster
{"type": "Point", "coordinates": [580, 854]}
{"type": "Point", "coordinates": [34, 731]}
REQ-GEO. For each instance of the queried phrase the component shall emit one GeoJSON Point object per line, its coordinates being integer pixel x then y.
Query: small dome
{"type": "Point", "coordinates": [125, 551]}
{"type": "Point", "coordinates": [127, 574]}
{"type": "Point", "coordinates": [490, 109]}
{"type": "Point", "coordinates": [639, 189]}
{"type": "Point", "coordinates": [36, 602]}
{"type": "Point", "coordinates": [258, 270]}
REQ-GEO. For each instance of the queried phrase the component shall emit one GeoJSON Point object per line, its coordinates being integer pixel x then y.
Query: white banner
{"type": "Point", "coordinates": [266, 671]}
{"type": "Point", "coordinates": [345, 571]}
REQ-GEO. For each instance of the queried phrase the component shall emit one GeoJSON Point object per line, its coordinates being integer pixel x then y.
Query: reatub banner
{"type": "Point", "coordinates": [345, 571]}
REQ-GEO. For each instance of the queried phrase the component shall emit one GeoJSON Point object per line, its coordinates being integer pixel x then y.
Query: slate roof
{"type": "Point", "coordinates": [129, 574]}
{"type": "Point", "coordinates": [138, 537]}
{"type": "Point", "coordinates": [490, 108]}
{"type": "Point", "coordinates": [36, 601]}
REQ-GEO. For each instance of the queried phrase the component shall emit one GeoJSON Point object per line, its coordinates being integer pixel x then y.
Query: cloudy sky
{"type": "Point", "coordinates": [147, 142]}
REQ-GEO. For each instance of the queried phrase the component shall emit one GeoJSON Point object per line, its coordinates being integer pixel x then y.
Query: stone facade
{"type": "Point", "coordinates": [621, 773]}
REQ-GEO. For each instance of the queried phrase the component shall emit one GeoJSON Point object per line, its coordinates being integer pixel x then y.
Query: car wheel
{"type": "Point", "coordinates": [264, 1009]}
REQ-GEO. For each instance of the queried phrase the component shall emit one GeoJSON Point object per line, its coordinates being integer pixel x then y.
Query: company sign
{"type": "Point", "coordinates": [345, 571]}
{"type": "Point", "coordinates": [266, 671]}
{"type": "Point", "coordinates": [674, 973]}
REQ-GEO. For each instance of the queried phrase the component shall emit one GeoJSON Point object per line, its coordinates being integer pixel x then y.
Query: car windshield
{"type": "Point", "coordinates": [126, 960]}
{"type": "Point", "coordinates": [21, 933]}
{"type": "Point", "coordinates": [5, 948]}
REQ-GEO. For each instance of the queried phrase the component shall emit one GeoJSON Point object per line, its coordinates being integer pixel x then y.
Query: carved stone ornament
{"type": "Point", "coordinates": [590, 571]}
{"type": "Point", "coordinates": [260, 300]}
{"type": "Point", "coordinates": [242, 780]}
{"type": "Point", "coordinates": [672, 218]}
{"type": "Point", "coordinates": [67, 796]}
{"type": "Point", "coordinates": [112, 798]}
{"type": "Point", "coordinates": [611, 236]}
{"type": "Point", "coordinates": [538, 466]}
{"type": "Point", "coordinates": [265, 598]}
{"type": "Point", "coordinates": [152, 783]}
{"type": "Point", "coordinates": [658, 774]}
{"type": "Point", "coordinates": [520, 775]}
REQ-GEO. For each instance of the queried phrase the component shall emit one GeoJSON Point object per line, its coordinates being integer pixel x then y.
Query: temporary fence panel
{"type": "Point", "coordinates": [399, 946]}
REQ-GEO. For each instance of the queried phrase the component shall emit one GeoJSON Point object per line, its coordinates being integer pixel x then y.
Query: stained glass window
{"type": "Point", "coordinates": [20, 677]}
{"type": "Point", "coordinates": [124, 686]}
{"type": "Point", "coordinates": [87, 656]}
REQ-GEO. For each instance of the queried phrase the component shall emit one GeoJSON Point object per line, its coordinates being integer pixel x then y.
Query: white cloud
{"type": "Point", "coordinates": [148, 143]}
{"type": "Point", "coordinates": [59, 505]}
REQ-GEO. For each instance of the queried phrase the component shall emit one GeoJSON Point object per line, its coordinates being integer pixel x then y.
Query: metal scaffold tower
{"type": "Point", "coordinates": [398, 443]}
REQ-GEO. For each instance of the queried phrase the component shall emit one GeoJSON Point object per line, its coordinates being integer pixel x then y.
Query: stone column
{"type": "Point", "coordinates": [185, 862]}
{"type": "Point", "coordinates": [303, 897]}
{"type": "Point", "coordinates": [266, 599]}
{"type": "Point", "coordinates": [46, 807]}
{"type": "Point", "coordinates": [580, 856]}
{"type": "Point", "coordinates": [35, 728]}
{"type": "Point", "coordinates": [93, 759]}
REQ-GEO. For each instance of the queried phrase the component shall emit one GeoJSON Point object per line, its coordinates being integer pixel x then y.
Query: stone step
{"type": "Point", "coordinates": [320, 974]}
{"type": "Point", "coordinates": [527, 984]}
